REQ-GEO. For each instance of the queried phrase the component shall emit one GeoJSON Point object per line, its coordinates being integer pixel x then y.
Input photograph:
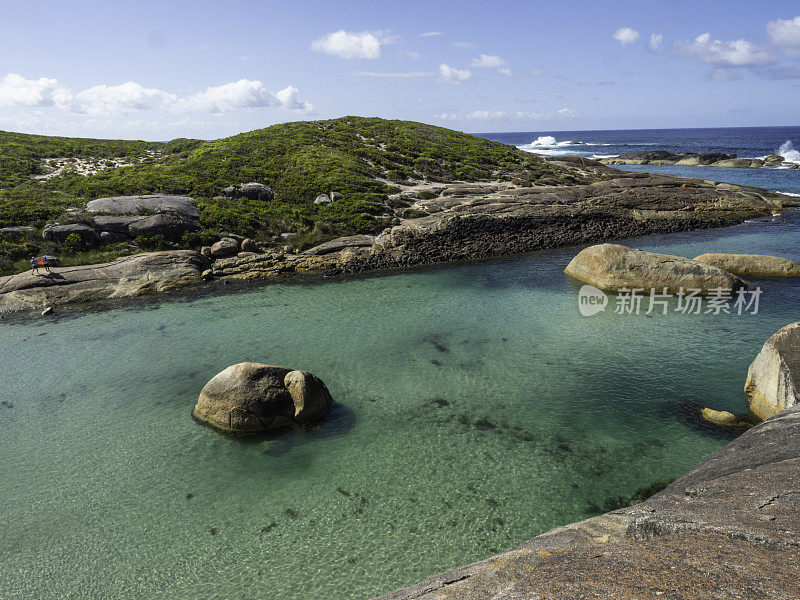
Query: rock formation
{"type": "Point", "coordinates": [125, 277]}
{"type": "Point", "coordinates": [613, 267]}
{"type": "Point", "coordinates": [251, 397]}
{"type": "Point", "coordinates": [145, 216]}
{"type": "Point", "coordinates": [774, 375]}
{"type": "Point", "coordinates": [752, 265]}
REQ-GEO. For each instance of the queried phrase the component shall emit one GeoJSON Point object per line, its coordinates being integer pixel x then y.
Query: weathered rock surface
{"type": "Point", "coordinates": [351, 241]}
{"type": "Point", "coordinates": [729, 528]}
{"type": "Point", "coordinates": [774, 375]}
{"type": "Point", "coordinates": [16, 232]}
{"type": "Point", "coordinates": [252, 191]}
{"type": "Point", "coordinates": [149, 203]}
{"type": "Point", "coordinates": [125, 277]}
{"type": "Point", "coordinates": [613, 267]}
{"type": "Point", "coordinates": [752, 265]}
{"type": "Point", "coordinates": [714, 159]}
{"type": "Point", "coordinates": [721, 417]}
{"type": "Point", "coordinates": [322, 200]}
{"type": "Point", "coordinates": [171, 227]}
{"type": "Point", "coordinates": [59, 233]}
{"type": "Point", "coordinates": [251, 397]}
{"type": "Point", "coordinates": [224, 247]}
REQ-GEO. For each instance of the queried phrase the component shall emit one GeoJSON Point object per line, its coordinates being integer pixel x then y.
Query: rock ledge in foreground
{"type": "Point", "coordinates": [612, 267]}
{"type": "Point", "coordinates": [251, 397]}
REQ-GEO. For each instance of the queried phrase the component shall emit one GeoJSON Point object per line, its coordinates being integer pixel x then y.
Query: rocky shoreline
{"type": "Point", "coordinates": [455, 222]}
{"type": "Point", "coordinates": [694, 159]}
{"type": "Point", "coordinates": [727, 529]}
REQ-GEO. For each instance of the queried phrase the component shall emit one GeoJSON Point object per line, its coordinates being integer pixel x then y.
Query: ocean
{"type": "Point", "coordinates": [476, 408]}
{"type": "Point", "coordinates": [745, 142]}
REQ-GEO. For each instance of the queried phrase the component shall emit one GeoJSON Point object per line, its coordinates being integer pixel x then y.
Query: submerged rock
{"type": "Point", "coordinates": [613, 267]}
{"type": "Point", "coordinates": [772, 379]}
{"type": "Point", "coordinates": [720, 417]}
{"type": "Point", "coordinates": [252, 397]}
{"type": "Point", "coordinates": [752, 265]}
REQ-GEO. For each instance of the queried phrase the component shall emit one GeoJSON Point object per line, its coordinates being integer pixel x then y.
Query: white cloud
{"type": "Point", "coordinates": [349, 45]}
{"type": "Point", "coordinates": [505, 71]}
{"type": "Point", "coordinates": [118, 99]}
{"type": "Point", "coordinates": [656, 39]}
{"type": "Point", "coordinates": [451, 75]}
{"type": "Point", "coordinates": [736, 53]}
{"type": "Point", "coordinates": [537, 73]}
{"type": "Point", "coordinates": [625, 35]}
{"type": "Point", "coordinates": [785, 33]}
{"type": "Point", "coordinates": [487, 60]}
{"type": "Point", "coordinates": [395, 75]}
{"type": "Point", "coordinates": [464, 45]}
{"type": "Point", "coordinates": [244, 93]}
{"type": "Point", "coordinates": [431, 34]}
{"type": "Point", "coordinates": [411, 54]}
{"type": "Point", "coordinates": [287, 97]}
{"type": "Point", "coordinates": [501, 115]}
{"type": "Point", "coordinates": [15, 90]}
{"type": "Point", "coordinates": [487, 115]}
{"type": "Point", "coordinates": [567, 113]}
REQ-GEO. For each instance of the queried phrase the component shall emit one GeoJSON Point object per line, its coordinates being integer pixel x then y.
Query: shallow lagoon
{"type": "Point", "coordinates": [477, 408]}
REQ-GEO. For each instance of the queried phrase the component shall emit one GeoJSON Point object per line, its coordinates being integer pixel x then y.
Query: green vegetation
{"type": "Point", "coordinates": [364, 159]}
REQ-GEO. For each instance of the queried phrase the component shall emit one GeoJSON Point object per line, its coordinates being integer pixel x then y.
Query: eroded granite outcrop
{"type": "Point", "coordinates": [752, 265]}
{"type": "Point", "coordinates": [613, 267]}
{"type": "Point", "coordinates": [730, 528]}
{"type": "Point", "coordinates": [773, 379]}
{"type": "Point", "coordinates": [125, 277]}
{"type": "Point", "coordinates": [251, 397]}
{"type": "Point", "coordinates": [446, 222]}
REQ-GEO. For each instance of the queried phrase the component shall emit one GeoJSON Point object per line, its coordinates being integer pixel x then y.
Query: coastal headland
{"type": "Point", "coordinates": [346, 196]}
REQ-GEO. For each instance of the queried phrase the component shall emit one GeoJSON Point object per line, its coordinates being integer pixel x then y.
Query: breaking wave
{"type": "Point", "coordinates": [788, 152]}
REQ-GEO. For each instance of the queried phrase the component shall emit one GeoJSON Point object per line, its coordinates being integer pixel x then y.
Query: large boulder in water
{"type": "Point", "coordinates": [613, 267]}
{"type": "Point", "coordinates": [752, 265]}
{"type": "Point", "coordinates": [773, 379]}
{"type": "Point", "coordinates": [251, 397]}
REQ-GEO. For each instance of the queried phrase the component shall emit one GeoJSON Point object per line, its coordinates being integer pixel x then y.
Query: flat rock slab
{"type": "Point", "coordinates": [125, 277]}
{"type": "Point", "coordinates": [614, 267]}
{"type": "Point", "coordinates": [752, 265]}
{"type": "Point", "coordinates": [351, 241]}
{"type": "Point", "coordinates": [134, 205]}
{"type": "Point", "coordinates": [729, 528]}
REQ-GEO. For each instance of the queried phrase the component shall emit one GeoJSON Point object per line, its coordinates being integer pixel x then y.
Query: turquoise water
{"type": "Point", "coordinates": [476, 409]}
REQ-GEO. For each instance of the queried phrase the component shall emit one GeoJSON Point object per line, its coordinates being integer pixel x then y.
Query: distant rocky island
{"type": "Point", "coordinates": [349, 195]}
{"type": "Point", "coordinates": [694, 159]}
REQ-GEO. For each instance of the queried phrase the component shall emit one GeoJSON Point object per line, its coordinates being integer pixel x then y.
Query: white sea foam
{"type": "Point", "coordinates": [788, 152]}
{"type": "Point", "coordinates": [792, 194]}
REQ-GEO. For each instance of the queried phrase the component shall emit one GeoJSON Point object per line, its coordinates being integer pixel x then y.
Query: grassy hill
{"type": "Point", "coordinates": [362, 158]}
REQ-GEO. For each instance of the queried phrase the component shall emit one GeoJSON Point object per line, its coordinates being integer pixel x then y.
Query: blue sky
{"type": "Point", "coordinates": [158, 70]}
